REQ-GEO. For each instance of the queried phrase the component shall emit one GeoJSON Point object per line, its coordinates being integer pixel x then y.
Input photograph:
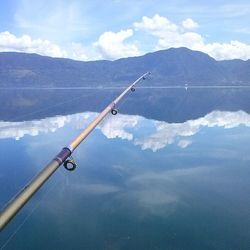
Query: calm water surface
{"type": "Point", "coordinates": [139, 184]}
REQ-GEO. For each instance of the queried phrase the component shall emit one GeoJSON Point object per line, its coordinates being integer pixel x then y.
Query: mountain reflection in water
{"type": "Point", "coordinates": [139, 184]}
{"type": "Point", "coordinates": [159, 135]}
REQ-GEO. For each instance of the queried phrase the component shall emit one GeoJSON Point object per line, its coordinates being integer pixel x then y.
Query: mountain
{"type": "Point", "coordinates": [169, 67]}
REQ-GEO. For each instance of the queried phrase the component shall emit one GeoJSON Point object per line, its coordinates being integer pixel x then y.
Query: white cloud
{"type": "Point", "coordinates": [168, 133]}
{"type": "Point", "coordinates": [171, 35]}
{"type": "Point", "coordinates": [125, 127]}
{"type": "Point", "coordinates": [152, 198]}
{"type": "Point", "coordinates": [231, 50]}
{"type": "Point", "coordinates": [116, 126]}
{"type": "Point", "coordinates": [157, 25]}
{"type": "Point", "coordinates": [175, 39]}
{"type": "Point", "coordinates": [157, 192]}
{"type": "Point", "coordinates": [17, 130]}
{"type": "Point", "coordinates": [111, 45]}
{"type": "Point", "coordinates": [189, 24]}
{"type": "Point", "coordinates": [184, 143]}
{"type": "Point", "coordinates": [24, 43]}
{"type": "Point", "coordinates": [168, 34]}
{"type": "Point", "coordinates": [9, 42]}
{"type": "Point", "coordinates": [167, 175]}
{"type": "Point", "coordinates": [79, 52]}
{"type": "Point", "coordinates": [95, 189]}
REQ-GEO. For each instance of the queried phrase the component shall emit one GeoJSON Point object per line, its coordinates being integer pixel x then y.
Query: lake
{"type": "Point", "coordinates": [142, 182]}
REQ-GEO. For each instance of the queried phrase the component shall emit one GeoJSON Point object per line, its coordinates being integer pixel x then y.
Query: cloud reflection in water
{"type": "Point", "coordinates": [126, 126]}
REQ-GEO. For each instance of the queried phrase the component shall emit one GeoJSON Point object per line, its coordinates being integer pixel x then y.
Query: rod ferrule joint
{"type": "Point", "coordinates": [63, 155]}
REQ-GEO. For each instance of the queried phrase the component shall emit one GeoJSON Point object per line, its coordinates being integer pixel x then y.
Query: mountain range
{"type": "Point", "coordinates": [175, 66]}
{"type": "Point", "coordinates": [23, 77]}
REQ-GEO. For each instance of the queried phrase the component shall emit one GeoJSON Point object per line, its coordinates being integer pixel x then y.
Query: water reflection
{"type": "Point", "coordinates": [187, 189]}
{"type": "Point", "coordinates": [148, 134]}
{"type": "Point", "coordinates": [17, 130]}
{"type": "Point", "coordinates": [168, 133]}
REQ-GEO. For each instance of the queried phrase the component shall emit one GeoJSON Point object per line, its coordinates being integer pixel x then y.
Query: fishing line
{"type": "Point", "coordinates": [133, 90]}
{"type": "Point", "coordinates": [109, 120]}
{"type": "Point", "coordinates": [58, 104]}
{"type": "Point", "coordinates": [117, 88]}
{"type": "Point", "coordinates": [47, 108]}
{"type": "Point", "coordinates": [13, 206]}
{"type": "Point", "coordinates": [29, 214]}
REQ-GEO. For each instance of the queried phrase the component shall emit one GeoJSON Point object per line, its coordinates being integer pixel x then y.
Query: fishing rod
{"type": "Point", "coordinates": [63, 157]}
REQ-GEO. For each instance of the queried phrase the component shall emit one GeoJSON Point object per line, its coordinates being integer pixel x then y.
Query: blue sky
{"type": "Point", "coordinates": [92, 30]}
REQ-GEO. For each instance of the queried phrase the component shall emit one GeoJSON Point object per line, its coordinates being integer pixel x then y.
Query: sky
{"type": "Point", "coordinates": [93, 30]}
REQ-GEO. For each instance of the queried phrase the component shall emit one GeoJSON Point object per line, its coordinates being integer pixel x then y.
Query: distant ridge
{"type": "Point", "coordinates": [169, 67]}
